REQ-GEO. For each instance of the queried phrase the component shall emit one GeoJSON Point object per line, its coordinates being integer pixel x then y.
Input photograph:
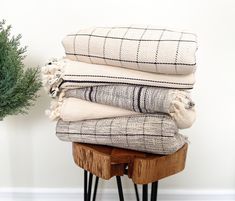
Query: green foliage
{"type": "Point", "coordinates": [18, 86]}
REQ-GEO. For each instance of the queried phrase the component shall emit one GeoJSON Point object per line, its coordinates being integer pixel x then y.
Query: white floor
{"type": "Point", "coordinates": [72, 194]}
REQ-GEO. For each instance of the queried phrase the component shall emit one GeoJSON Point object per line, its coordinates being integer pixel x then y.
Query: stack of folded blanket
{"type": "Point", "coordinates": [125, 87]}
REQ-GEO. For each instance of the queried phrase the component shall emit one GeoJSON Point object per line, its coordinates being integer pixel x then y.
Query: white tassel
{"type": "Point", "coordinates": [62, 95]}
{"type": "Point", "coordinates": [180, 97]}
{"type": "Point", "coordinates": [54, 112]}
{"type": "Point", "coordinates": [183, 117]}
{"type": "Point", "coordinates": [51, 76]}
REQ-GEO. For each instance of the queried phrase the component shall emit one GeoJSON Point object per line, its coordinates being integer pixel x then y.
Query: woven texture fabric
{"type": "Point", "coordinates": [142, 48]}
{"type": "Point", "coordinates": [66, 74]}
{"type": "Point", "coordinates": [156, 134]}
{"type": "Point", "coordinates": [176, 103]}
{"type": "Point", "coordinates": [137, 98]}
{"type": "Point", "coordinates": [74, 109]}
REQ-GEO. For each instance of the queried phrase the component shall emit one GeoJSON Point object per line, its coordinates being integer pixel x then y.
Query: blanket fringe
{"type": "Point", "coordinates": [182, 108]}
{"type": "Point", "coordinates": [54, 112]}
{"type": "Point", "coordinates": [181, 97]}
{"type": "Point", "coordinates": [52, 75]}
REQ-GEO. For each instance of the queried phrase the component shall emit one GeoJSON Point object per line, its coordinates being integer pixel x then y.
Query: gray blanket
{"type": "Point", "coordinates": [156, 133]}
{"type": "Point", "coordinates": [137, 98]}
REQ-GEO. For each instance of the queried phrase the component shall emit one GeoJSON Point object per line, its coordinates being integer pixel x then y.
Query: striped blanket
{"type": "Point", "coordinates": [66, 74]}
{"type": "Point", "coordinates": [176, 103]}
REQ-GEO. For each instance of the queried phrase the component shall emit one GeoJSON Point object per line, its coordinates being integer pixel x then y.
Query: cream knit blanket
{"type": "Point", "coordinates": [74, 109]}
{"type": "Point", "coordinates": [66, 74]}
{"type": "Point", "coordinates": [143, 48]}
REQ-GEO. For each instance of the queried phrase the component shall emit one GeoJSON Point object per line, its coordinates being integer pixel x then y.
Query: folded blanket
{"type": "Point", "coordinates": [71, 74]}
{"type": "Point", "coordinates": [144, 48]}
{"type": "Point", "coordinates": [73, 109]}
{"type": "Point", "coordinates": [141, 99]}
{"type": "Point", "coordinates": [156, 133]}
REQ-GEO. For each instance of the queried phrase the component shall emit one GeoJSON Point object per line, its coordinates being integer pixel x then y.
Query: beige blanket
{"type": "Point", "coordinates": [73, 109]}
{"type": "Point", "coordinates": [66, 74]}
{"type": "Point", "coordinates": [146, 48]}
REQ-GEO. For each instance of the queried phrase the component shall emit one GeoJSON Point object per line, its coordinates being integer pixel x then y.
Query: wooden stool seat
{"type": "Point", "coordinates": [143, 168]}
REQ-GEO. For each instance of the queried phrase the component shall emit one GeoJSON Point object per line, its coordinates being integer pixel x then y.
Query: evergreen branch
{"type": "Point", "coordinates": [18, 86]}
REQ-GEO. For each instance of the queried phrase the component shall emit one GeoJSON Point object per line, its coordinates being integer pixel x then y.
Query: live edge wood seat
{"type": "Point", "coordinates": [143, 168]}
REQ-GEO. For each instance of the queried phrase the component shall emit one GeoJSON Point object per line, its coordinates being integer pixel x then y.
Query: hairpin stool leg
{"type": "Point", "coordinates": [145, 192]}
{"type": "Point", "coordinates": [136, 192]}
{"type": "Point", "coordinates": [95, 189]}
{"type": "Point", "coordinates": [154, 191]}
{"type": "Point", "coordinates": [85, 185]}
{"type": "Point", "coordinates": [120, 192]}
{"type": "Point", "coordinates": [89, 187]}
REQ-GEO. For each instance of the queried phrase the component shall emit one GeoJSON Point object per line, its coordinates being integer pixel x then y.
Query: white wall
{"type": "Point", "coordinates": [30, 153]}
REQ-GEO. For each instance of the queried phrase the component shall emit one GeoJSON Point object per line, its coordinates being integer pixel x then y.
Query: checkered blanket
{"type": "Point", "coordinates": [156, 134]}
{"type": "Point", "coordinates": [143, 48]}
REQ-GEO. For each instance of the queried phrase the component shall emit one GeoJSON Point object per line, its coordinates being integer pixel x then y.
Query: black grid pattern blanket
{"type": "Point", "coordinates": [156, 134]}
{"type": "Point", "coordinates": [143, 48]}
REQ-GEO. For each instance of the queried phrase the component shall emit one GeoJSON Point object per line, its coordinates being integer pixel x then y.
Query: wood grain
{"type": "Point", "coordinates": [106, 162]}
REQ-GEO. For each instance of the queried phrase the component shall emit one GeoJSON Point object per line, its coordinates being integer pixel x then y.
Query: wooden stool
{"type": "Point", "coordinates": [143, 168]}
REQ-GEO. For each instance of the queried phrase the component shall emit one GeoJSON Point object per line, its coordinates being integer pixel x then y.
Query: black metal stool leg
{"type": "Point", "coordinates": [89, 187]}
{"type": "Point", "coordinates": [95, 189]}
{"type": "Point", "coordinates": [85, 185]}
{"type": "Point", "coordinates": [136, 192]}
{"type": "Point", "coordinates": [145, 192]}
{"type": "Point", "coordinates": [120, 192]}
{"type": "Point", "coordinates": [154, 191]}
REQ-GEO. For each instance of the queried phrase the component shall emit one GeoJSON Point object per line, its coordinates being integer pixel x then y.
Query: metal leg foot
{"type": "Point", "coordinates": [145, 192]}
{"type": "Point", "coordinates": [120, 192]}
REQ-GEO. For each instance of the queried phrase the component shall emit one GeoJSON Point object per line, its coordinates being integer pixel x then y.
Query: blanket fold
{"type": "Point", "coordinates": [74, 109]}
{"type": "Point", "coordinates": [143, 48]}
{"type": "Point", "coordinates": [156, 133]}
{"type": "Point", "coordinates": [141, 99]}
{"type": "Point", "coordinates": [137, 98]}
{"type": "Point", "coordinates": [63, 74]}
